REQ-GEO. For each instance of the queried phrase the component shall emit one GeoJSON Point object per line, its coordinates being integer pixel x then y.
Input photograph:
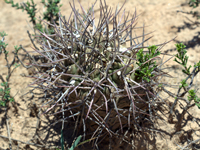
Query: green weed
{"type": "Point", "coordinates": [145, 62]}
{"type": "Point", "coordinates": [5, 90]}
{"type": "Point", "coordinates": [194, 4]}
{"type": "Point", "coordinates": [182, 59]}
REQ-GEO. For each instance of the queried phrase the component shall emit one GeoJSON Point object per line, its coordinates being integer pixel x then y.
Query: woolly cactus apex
{"type": "Point", "coordinates": [93, 84]}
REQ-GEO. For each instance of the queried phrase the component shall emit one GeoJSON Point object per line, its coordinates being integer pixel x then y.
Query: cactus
{"type": "Point", "coordinates": [98, 83]}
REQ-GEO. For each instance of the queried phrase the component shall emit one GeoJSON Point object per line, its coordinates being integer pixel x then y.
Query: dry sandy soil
{"type": "Point", "coordinates": [163, 18]}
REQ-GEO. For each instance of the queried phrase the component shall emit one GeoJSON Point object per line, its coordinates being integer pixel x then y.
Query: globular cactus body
{"type": "Point", "coordinates": [94, 78]}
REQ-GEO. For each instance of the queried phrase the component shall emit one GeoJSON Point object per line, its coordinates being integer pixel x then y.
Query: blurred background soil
{"type": "Point", "coordinates": [160, 16]}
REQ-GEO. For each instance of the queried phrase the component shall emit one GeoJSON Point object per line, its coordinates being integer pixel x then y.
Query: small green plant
{"type": "Point", "coordinates": [74, 144]}
{"type": "Point", "coordinates": [5, 90]}
{"type": "Point", "coordinates": [183, 83]}
{"type": "Point", "coordinates": [5, 94]}
{"type": "Point", "coordinates": [182, 59]}
{"type": "Point", "coordinates": [194, 4]}
{"type": "Point", "coordinates": [146, 64]}
{"type": "Point", "coordinates": [193, 96]}
{"type": "Point", "coordinates": [185, 88]}
{"type": "Point", "coordinates": [50, 15]}
{"type": "Point", "coordinates": [52, 10]}
{"type": "Point", "coordinates": [3, 45]}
